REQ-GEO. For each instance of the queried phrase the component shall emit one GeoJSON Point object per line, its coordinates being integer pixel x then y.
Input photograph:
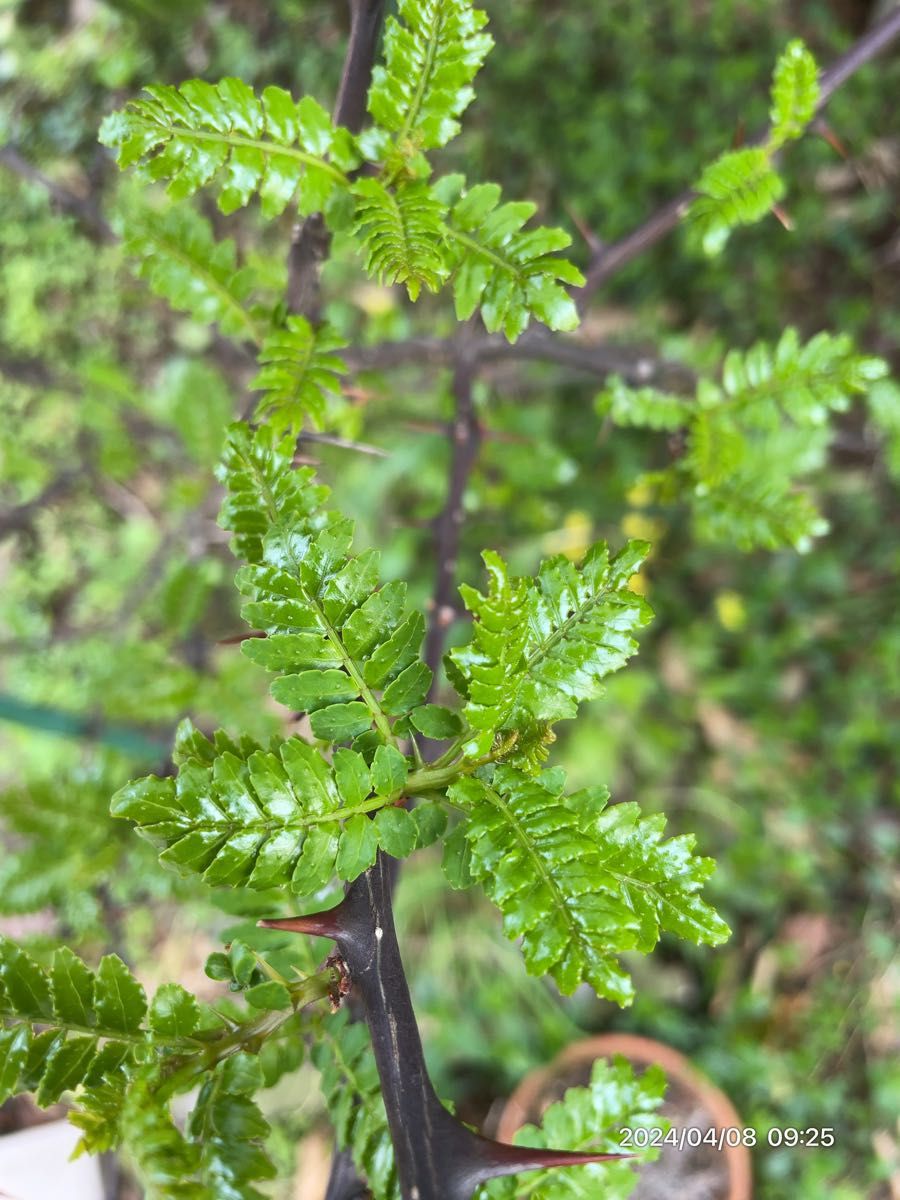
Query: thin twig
{"type": "Point", "coordinates": [329, 439]}
{"type": "Point", "coordinates": [634, 364]}
{"type": "Point", "coordinates": [437, 1156]}
{"type": "Point", "coordinates": [611, 258]}
{"type": "Point", "coordinates": [85, 211]}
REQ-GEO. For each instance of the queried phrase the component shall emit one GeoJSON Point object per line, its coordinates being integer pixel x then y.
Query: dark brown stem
{"type": "Point", "coordinates": [365, 28]}
{"type": "Point", "coordinates": [343, 1182]}
{"type": "Point", "coordinates": [610, 259]}
{"type": "Point", "coordinates": [309, 247]}
{"type": "Point", "coordinates": [465, 439]}
{"type": "Point", "coordinates": [634, 364]}
{"type": "Point", "coordinates": [438, 1158]}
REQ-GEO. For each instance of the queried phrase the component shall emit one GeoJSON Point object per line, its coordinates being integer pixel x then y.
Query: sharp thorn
{"type": "Point", "coordinates": [824, 130]}
{"type": "Point", "coordinates": [324, 924]}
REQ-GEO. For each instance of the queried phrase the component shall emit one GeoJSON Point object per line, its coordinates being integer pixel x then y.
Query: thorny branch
{"type": "Point", "coordinates": [437, 1157]}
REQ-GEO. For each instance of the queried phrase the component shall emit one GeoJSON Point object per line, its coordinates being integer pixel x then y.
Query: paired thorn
{"type": "Point", "coordinates": [438, 1158]}
{"type": "Point", "coordinates": [499, 1158]}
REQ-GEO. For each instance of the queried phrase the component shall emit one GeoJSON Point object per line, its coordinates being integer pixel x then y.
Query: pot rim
{"type": "Point", "coordinates": [642, 1051]}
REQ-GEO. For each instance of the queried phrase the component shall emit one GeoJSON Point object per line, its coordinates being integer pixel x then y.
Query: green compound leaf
{"type": "Point", "coordinates": [432, 54]}
{"type": "Point", "coordinates": [90, 1022]}
{"type": "Point", "coordinates": [739, 188]}
{"type": "Point", "coordinates": [334, 635]}
{"type": "Point", "coordinates": [263, 488]}
{"type": "Point", "coordinates": [534, 861]}
{"type": "Point", "coordinates": [800, 382]}
{"type": "Point", "coordinates": [540, 646]}
{"type": "Point", "coordinates": [577, 882]}
{"type": "Point", "coordinates": [275, 817]}
{"type": "Point", "coordinates": [230, 1131]}
{"type": "Point", "coordinates": [509, 272]}
{"type": "Point", "coordinates": [124, 1074]}
{"type": "Point", "coordinates": [184, 263]}
{"type": "Point", "coordinates": [590, 1118]}
{"type": "Point", "coordinates": [220, 1154]}
{"type": "Point", "coordinates": [401, 231]}
{"type": "Point", "coordinates": [299, 372]}
{"type": "Point", "coordinates": [751, 511]}
{"type": "Point", "coordinates": [641, 408]}
{"type": "Point", "coordinates": [752, 437]}
{"type": "Point", "coordinates": [269, 144]}
{"type": "Point", "coordinates": [795, 93]}
{"type": "Point", "coordinates": [166, 1163]}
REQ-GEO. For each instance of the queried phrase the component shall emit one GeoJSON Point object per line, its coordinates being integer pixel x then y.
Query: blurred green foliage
{"type": "Point", "coordinates": [763, 710]}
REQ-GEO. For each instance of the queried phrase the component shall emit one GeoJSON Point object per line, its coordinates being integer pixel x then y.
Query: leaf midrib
{"type": "Point", "coordinates": [101, 1032]}
{"type": "Point", "coordinates": [269, 149]}
{"type": "Point", "coordinates": [230, 825]}
{"type": "Point", "coordinates": [582, 611]}
{"type": "Point", "coordinates": [495, 798]}
{"type": "Point", "coordinates": [215, 285]}
{"type": "Point", "coordinates": [431, 47]}
{"type": "Point", "coordinates": [363, 689]}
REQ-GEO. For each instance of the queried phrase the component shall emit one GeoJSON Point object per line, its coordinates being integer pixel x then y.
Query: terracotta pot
{"type": "Point", "coordinates": [691, 1101]}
